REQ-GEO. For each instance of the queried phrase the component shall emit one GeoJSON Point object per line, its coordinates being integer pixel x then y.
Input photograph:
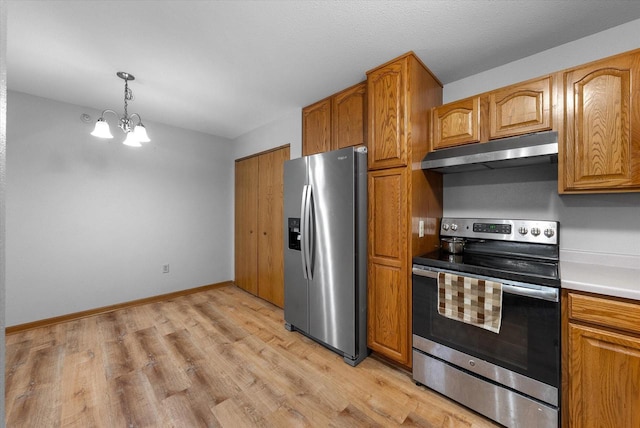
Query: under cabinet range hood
{"type": "Point", "coordinates": [530, 149]}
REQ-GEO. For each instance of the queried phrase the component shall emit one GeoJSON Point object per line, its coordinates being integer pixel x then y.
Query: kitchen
{"type": "Point", "coordinates": [581, 217]}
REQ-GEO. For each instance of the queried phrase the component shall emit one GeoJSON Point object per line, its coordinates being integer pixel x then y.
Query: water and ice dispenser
{"type": "Point", "coordinates": [294, 233]}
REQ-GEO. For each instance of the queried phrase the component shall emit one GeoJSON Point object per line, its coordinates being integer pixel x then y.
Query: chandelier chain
{"type": "Point", "coordinates": [125, 120]}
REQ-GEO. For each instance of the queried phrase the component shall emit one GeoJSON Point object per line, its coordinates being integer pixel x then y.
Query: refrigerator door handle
{"type": "Point", "coordinates": [307, 242]}
{"type": "Point", "coordinates": [303, 229]}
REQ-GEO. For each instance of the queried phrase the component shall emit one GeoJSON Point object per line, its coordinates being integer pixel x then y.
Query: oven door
{"type": "Point", "coordinates": [529, 338]}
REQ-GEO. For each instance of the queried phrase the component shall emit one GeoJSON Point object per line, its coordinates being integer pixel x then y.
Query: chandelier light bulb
{"type": "Point", "coordinates": [131, 140]}
{"type": "Point", "coordinates": [141, 133]}
{"type": "Point", "coordinates": [102, 129]}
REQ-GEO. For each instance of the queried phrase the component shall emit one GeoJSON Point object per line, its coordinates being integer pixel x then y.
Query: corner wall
{"type": "Point", "coordinates": [286, 130]}
{"type": "Point", "coordinates": [3, 157]}
{"type": "Point", "coordinates": [90, 222]}
{"type": "Point", "coordinates": [610, 42]}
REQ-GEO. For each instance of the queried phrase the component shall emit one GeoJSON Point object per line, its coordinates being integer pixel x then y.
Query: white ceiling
{"type": "Point", "coordinates": [228, 67]}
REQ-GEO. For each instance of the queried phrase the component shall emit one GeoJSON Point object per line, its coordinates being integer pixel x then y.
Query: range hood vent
{"type": "Point", "coordinates": [531, 149]}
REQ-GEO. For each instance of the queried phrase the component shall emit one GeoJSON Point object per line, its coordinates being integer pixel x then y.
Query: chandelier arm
{"type": "Point", "coordinates": [109, 111]}
{"type": "Point", "coordinates": [139, 118]}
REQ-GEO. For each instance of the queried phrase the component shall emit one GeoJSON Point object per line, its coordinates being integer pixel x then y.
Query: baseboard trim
{"type": "Point", "coordinates": [97, 311]}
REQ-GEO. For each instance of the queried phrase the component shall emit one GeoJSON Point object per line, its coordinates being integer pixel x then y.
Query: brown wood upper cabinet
{"type": "Point", "coordinates": [335, 122]}
{"type": "Point", "coordinates": [601, 361]}
{"type": "Point", "coordinates": [316, 128]}
{"type": "Point", "coordinates": [600, 140]}
{"type": "Point", "coordinates": [513, 110]}
{"type": "Point", "coordinates": [456, 123]}
{"type": "Point", "coordinates": [520, 109]}
{"type": "Point", "coordinates": [259, 241]}
{"type": "Point", "coordinates": [386, 93]}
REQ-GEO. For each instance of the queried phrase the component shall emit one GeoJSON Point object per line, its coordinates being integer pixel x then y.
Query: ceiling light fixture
{"type": "Point", "coordinates": [135, 134]}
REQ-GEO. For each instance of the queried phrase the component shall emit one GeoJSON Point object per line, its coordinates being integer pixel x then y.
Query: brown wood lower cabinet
{"type": "Point", "coordinates": [388, 287]}
{"type": "Point", "coordinates": [259, 263]}
{"type": "Point", "coordinates": [601, 373]}
{"type": "Point", "coordinates": [388, 318]}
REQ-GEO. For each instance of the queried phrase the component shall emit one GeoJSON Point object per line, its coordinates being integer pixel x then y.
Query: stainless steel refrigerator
{"type": "Point", "coordinates": [325, 251]}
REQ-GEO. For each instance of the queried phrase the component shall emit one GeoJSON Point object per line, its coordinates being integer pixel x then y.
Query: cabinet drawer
{"type": "Point", "coordinates": [606, 312]}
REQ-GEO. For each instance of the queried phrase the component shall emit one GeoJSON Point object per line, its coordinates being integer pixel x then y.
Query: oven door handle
{"type": "Point", "coordinates": [550, 294]}
{"type": "Point", "coordinates": [425, 273]}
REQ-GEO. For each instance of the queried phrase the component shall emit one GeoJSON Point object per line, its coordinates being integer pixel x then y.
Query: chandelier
{"type": "Point", "coordinates": [134, 134]}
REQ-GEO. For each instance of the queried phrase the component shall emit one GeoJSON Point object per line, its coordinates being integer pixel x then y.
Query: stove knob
{"type": "Point", "coordinates": [454, 227]}
{"type": "Point", "coordinates": [445, 226]}
{"type": "Point", "coordinates": [523, 230]}
{"type": "Point", "coordinates": [548, 233]}
{"type": "Point", "coordinates": [535, 231]}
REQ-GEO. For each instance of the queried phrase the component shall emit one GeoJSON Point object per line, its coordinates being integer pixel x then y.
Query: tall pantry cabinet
{"type": "Point", "coordinates": [259, 241]}
{"type": "Point", "coordinates": [400, 95]}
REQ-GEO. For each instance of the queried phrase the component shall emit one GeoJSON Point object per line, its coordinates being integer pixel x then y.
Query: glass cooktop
{"type": "Point", "coordinates": [515, 263]}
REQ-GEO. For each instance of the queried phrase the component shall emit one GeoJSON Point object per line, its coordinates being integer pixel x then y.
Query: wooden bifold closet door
{"type": "Point", "coordinates": [259, 240]}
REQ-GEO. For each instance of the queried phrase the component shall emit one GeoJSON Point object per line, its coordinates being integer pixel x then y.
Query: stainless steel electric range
{"type": "Point", "coordinates": [511, 376]}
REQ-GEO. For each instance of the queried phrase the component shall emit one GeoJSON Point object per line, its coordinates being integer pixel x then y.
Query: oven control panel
{"type": "Point", "coordinates": [535, 231]}
{"type": "Point", "coordinates": [504, 229]}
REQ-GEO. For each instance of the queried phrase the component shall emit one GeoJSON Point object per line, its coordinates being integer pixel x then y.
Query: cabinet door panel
{"type": "Point", "coordinates": [602, 125]}
{"type": "Point", "coordinates": [348, 117]}
{"type": "Point", "coordinates": [604, 378]}
{"type": "Point", "coordinates": [386, 104]}
{"type": "Point", "coordinates": [520, 109]}
{"type": "Point", "coordinates": [456, 123]}
{"type": "Point", "coordinates": [388, 214]}
{"type": "Point", "coordinates": [316, 128]}
{"type": "Point", "coordinates": [246, 224]}
{"type": "Point", "coordinates": [388, 286]}
{"type": "Point", "coordinates": [270, 221]}
{"type": "Point", "coordinates": [387, 317]}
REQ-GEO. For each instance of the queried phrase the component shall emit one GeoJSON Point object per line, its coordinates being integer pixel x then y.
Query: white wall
{"type": "Point", "coordinates": [603, 223]}
{"type": "Point", "coordinates": [286, 130]}
{"type": "Point", "coordinates": [606, 43]}
{"type": "Point", "coordinates": [91, 222]}
{"type": "Point", "coordinates": [594, 223]}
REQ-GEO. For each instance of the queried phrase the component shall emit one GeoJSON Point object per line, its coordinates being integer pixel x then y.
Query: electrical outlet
{"type": "Point", "coordinates": [421, 229]}
{"type": "Point", "coordinates": [165, 268]}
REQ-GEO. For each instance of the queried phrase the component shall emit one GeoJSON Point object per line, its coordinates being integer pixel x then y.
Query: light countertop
{"type": "Point", "coordinates": [608, 274]}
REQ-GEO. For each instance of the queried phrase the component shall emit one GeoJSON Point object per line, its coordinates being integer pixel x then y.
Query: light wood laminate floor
{"type": "Point", "coordinates": [215, 358]}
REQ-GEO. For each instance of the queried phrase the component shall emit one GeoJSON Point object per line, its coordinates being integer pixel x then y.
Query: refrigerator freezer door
{"type": "Point", "coordinates": [296, 302]}
{"type": "Point", "coordinates": [332, 290]}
